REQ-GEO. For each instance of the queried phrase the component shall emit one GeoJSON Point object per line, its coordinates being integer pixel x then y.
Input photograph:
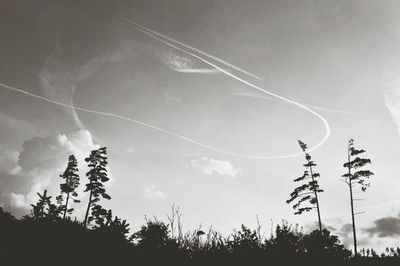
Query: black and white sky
{"type": "Point", "coordinates": [201, 104]}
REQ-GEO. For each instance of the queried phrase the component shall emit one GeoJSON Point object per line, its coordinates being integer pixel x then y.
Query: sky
{"type": "Point", "coordinates": [201, 103]}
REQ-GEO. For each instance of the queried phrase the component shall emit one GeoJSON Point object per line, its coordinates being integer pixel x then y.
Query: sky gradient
{"type": "Point", "coordinates": [338, 58]}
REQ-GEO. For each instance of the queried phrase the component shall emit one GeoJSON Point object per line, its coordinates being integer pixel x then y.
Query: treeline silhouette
{"type": "Point", "coordinates": [50, 236]}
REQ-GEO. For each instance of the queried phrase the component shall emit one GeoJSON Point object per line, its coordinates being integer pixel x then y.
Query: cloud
{"type": "Point", "coordinates": [37, 167]}
{"type": "Point", "coordinates": [391, 94]}
{"type": "Point", "coordinates": [153, 193]}
{"type": "Point", "coordinates": [9, 161]}
{"type": "Point", "coordinates": [385, 227]}
{"type": "Point", "coordinates": [60, 79]}
{"type": "Point", "coordinates": [197, 70]}
{"type": "Point", "coordinates": [211, 166]}
{"type": "Point", "coordinates": [345, 232]}
{"type": "Point", "coordinates": [185, 65]}
{"type": "Point", "coordinates": [171, 98]}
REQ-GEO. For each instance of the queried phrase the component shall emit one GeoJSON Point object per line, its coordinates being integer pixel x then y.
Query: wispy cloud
{"type": "Point", "coordinates": [152, 192]}
{"type": "Point", "coordinates": [211, 166]}
{"type": "Point", "coordinates": [172, 98]}
{"type": "Point", "coordinates": [158, 37]}
{"type": "Point", "coordinates": [197, 70]}
{"type": "Point", "coordinates": [391, 94]}
{"type": "Point", "coordinates": [183, 64]}
{"type": "Point", "coordinates": [155, 33]}
{"type": "Point", "coordinates": [59, 79]}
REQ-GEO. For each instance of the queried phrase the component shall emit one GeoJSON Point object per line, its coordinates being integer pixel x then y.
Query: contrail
{"type": "Point", "coordinates": [193, 49]}
{"type": "Point", "coordinates": [323, 120]}
{"type": "Point", "coordinates": [107, 114]}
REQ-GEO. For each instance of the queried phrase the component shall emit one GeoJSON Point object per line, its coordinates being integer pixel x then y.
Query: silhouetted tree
{"type": "Point", "coordinates": [307, 192]}
{"type": "Point", "coordinates": [102, 217]}
{"type": "Point", "coordinates": [153, 235]}
{"type": "Point", "coordinates": [71, 182]}
{"type": "Point", "coordinates": [97, 162]}
{"type": "Point", "coordinates": [355, 176]}
{"type": "Point", "coordinates": [244, 240]}
{"type": "Point", "coordinates": [120, 226]}
{"type": "Point", "coordinates": [39, 209]}
{"type": "Point", "coordinates": [287, 241]}
{"type": "Point", "coordinates": [324, 245]}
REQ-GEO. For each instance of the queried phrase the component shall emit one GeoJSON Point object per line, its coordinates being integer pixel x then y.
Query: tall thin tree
{"type": "Point", "coordinates": [97, 175]}
{"type": "Point", "coordinates": [355, 175]}
{"type": "Point", "coordinates": [308, 191]}
{"type": "Point", "coordinates": [71, 182]}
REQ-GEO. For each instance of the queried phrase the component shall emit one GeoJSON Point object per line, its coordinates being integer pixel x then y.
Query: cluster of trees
{"type": "Point", "coordinates": [307, 193]}
{"type": "Point", "coordinates": [95, 187]}
{"type": "Point", "coordinates": [49, 236]}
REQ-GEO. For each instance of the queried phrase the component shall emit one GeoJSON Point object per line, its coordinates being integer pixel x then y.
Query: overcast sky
{"type": "Point", "coordinates": [338, 58]}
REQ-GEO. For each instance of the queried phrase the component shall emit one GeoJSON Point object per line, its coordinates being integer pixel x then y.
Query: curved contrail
{"type": "Point", "coordinates": [107, 114]}
{"type": "Point", "coordinates": [193, 49]}
{"type": "Point", "coordinates": [322, 119]}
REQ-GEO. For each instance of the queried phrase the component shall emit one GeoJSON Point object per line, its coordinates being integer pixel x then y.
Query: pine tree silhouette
{"type": "Point", "coordinates": [69, 186]}
{"type": "Point", "coordinates": [97, 162]}
{"type": "Point", "coordinates": [39, 209]}
{"type": "Point", "coordinates": [309, 190]}
{"type": "Point", "coordinates": [355, 176]}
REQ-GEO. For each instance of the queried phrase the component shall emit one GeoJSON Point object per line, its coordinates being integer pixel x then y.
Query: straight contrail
{"type": "Point", "coordinates": [302, 106]}
{"type": "Point", "coordinates": [193, 49]}
{"type": "Point", "coordinates": [112, 115]}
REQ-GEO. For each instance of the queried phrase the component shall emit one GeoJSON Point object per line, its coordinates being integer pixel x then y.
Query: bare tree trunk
{"type": "Point", "coordinates": [352, 206]}
{"type": "Point", "coordinates": [88, 208]}
{"type": "Point", "coordinates": [353, 221]}
{"type": "Point", "coordinates": [316, 199]}
{"type": "Point", "coordinates": [66, 206]}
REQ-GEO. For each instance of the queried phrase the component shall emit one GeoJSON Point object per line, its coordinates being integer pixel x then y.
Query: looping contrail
{"type": "Point", "coordinates": [150, 34]}
{"type": "Point", "coordinates": [159, 37]}
{"type": "Point", "coordinates": [193, 49]}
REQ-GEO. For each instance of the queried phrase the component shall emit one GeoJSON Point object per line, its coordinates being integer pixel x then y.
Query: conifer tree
{"type": "Point", "coordinates": [45, 209]}
{"type": "Point", "coordinates": [355, 175]}
{"type": "Point", "coordinates": [97, 175]}
{"type": "Point", "coordinates": [39, 209]}
{"type": "Point", "coordinates": [308, 191]}
{"type": "Point", "coordinates": [71, 182]}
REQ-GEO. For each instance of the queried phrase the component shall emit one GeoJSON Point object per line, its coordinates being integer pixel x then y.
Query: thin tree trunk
{"type": "Point", "coordinates": [316, 199]}
{"type": "Point", "coordinates": [353, 221]}
{"type": "Point", "coordinates": [66, 206]}
{"type": "Point", "coordinates": [88, 208]}
{"type": "Point", "coordinates": [352, 207]}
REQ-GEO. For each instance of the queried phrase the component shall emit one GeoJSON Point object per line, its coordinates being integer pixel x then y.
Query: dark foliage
{"type": "Point", "coordinates": [307, 193]}
{"type": "Point", "coordinates": [48, 237]}
{"type": "Point", "coordinates": [97, 175]}
{"type": "Point", "coordinates": [68, 188]}
{"type": "Point", "coordinates": [355, 175]}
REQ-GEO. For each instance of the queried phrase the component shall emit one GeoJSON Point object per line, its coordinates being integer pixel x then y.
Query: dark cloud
{"type": "Point", "coordinates": [385, 227]}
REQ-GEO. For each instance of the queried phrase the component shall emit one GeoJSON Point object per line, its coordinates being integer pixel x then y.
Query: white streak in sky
{"type": "Point", "coordinates": [197, 70]}
{"type": "Point", "coordinates": [185, 65]}
{"type": "Point", "coordinates": [315, 107]}
{"type": "Point", "coordinates": [391, 94]}
{"type": "Point", "coordinates": [322, 119]}
{"type": "Point", "coordinates": [193, 49]}
{"type": "Point", "coordinates": [59, 80]}
{"type": "Point", "coordinates": [112, 115]}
